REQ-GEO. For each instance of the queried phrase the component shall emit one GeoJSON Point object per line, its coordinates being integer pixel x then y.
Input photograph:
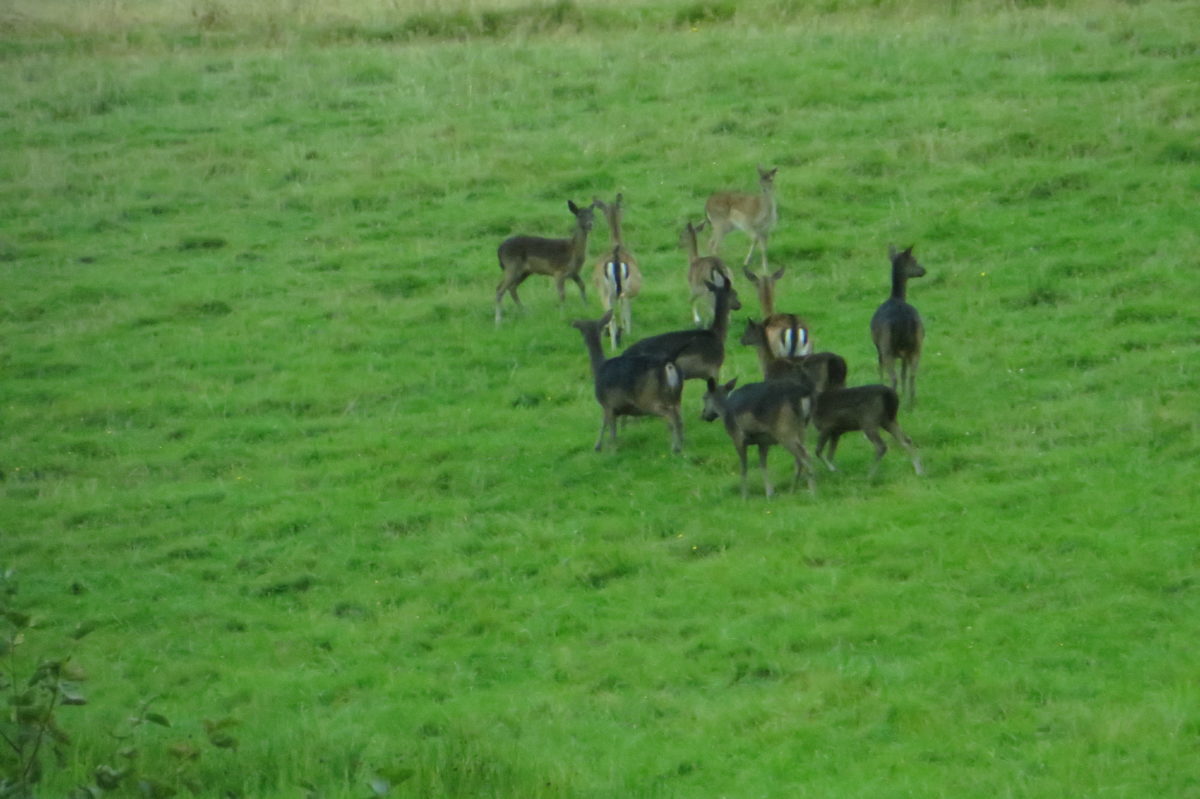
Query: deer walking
{"type": "Point", "coordinates": [522, 256]}
{"type": "Point", "coordinates": [632, 385]}
{"type": "Point", "coordinates": [762, 414]}
{"type": "Point", "coordinates": [702, 270]}
{"type": "Point", "coordinates": [617, 275]}
{"type": "Point", "coordinates": [897, 329]}
{"type": "Point", "coordinates": [754, 214]}
{"type": "Point", "coordinates": [866, 408]}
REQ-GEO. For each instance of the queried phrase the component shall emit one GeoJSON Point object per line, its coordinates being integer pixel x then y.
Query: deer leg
{"type": "Point", "coordinates": [676, 424]}
{"type": "Point", "coordinates": [832, 439]}
{"type": "Point", "coordinates": [909, 446]}
{"type": "Point", "coordinates": [803, 464]}
{"type": "Point", "coordinates": [741, 451]}
{"type": "Point", "coordinates": [753, 241]}
{"type": "Point", "coordinates": [880, 449]}
{"type": "Point", "coordinates": [911, 377]}
{"type": "Point", "coordinates": [578, 282]}
{"type": "Point", "coordinates": [762, 465]}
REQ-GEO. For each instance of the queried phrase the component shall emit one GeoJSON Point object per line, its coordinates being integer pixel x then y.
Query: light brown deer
{"type": "Point", "coordinates": [617, 275]}
{"type": "Point", "coordinates": [897, 329]}
{"type": "Point", "coordinates": [632, 385]}
{"type": "Point", "coordinates": [754, 214]}
{"type": "Point", "coordinates": [786, 333]}
{"type": "Point", "coordinates": [702, 270]}
{"type": "Point", "coordinates": [561, 259]}
{"type": "Point", "coordinates": [824, 370]}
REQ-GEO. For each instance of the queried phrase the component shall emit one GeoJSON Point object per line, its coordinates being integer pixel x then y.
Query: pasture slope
{"type": "Point", "coordinates": [350, 538]}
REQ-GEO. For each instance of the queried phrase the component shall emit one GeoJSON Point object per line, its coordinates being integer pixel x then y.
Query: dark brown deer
{"type": "Point", "coordinates": [866, 408]}
{"type": "Point", "coordinates": [755, 214]}
{"type": "Point", "coordinates": [617, 275]}
{"type": "Point", "coordinates": [762, 414]}
{"type": "Point", "coordinates": [787, 333]}
{"type": "Point", "coordinates": [702, 270]}
{"type": "Point", "coordinates": [896, 327]}
{"type": "Point", "coordinates": [823, 370]}
{"type": "Point", "coordinates": [631, 385]}
{"type": "Point", "coordinates": [561, 259]}
{"type": "Point", "coordinates": [697, 353]}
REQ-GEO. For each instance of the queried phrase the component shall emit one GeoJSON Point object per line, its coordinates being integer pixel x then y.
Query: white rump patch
{"type": "Point", "coordinates": [672, 375]}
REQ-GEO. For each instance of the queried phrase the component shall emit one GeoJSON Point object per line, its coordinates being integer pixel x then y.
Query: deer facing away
{"type": "Point", "coordinates": [754, 214]}
{"type": "Point", "coordinates": [762, 414]}
{"type": "Point", "coordinates": [787, 333]}
{"type": "Point", "coordinates": [632, 385]}
{"type": "Point", "coordinates": [702, 270]}
{"type": "Point", "coordinates": [823, 370]}
{"type": "Point", "coordinates": [897, 329]}
{"type": "Point", "coordinates": [617, 275]}
{"type": "Point", "coordinates": [522, 256]}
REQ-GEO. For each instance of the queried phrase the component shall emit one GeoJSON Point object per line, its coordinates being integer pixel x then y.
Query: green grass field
{"type": "Point", "coordinates": [260, 428]}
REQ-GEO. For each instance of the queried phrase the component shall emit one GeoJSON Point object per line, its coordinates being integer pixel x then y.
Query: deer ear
{"type": "Point", "coordinates": [753, 278]}
{"type": "Point", "coordinates": [711, 384]}
{"type": "Point", "coordinates": [572, 207]}
{"type": "Point", "coordinates": [909, 250]}
{"type": "Point", "coordinates": [729, 386]}
{"type": "Point", "coordinates": [778, 273]}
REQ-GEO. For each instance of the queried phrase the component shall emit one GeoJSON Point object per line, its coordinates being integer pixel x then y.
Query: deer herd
{"type": "Point", "coordinates": [800, 388]}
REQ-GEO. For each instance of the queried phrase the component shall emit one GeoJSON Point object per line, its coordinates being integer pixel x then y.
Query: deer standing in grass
{"type": "Point", "coordinates": [632, 385]}
{"type": "Point", "coordinates": [896, 327]}
{"type": "Point", "coordinates": [702, 270]}
{"type": "Point", "coordinates": [762, 414]}
{"type": "Point", "coordinates": [866, 408]}
{"type": "Point", "coordinates": [561, 259]}
{"type": "Point", "coordinates": [787, 333]}
{"type": "Point", "coordinates": [755, 214]}
{"type": "Point", "coordinates": [617, 276]}
{"type": "Point", "coordinates": [823, 370]}
{"type": "Point", "coordinates": [697, 353]}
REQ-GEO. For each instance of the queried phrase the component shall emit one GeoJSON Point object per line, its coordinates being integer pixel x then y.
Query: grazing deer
{"type": "Point", "coordinates": [697, 353]}
{"type": "Point", "coordinates": [787, 333]}
{"type": "Point", "coordinates": [896, 327]}
{"type": "Point", "coordinates": [762, 414]}
{"type": "Point", "coordinates": [823, 370]}
{"type": "Point", "coordinates": [522, 256]}
{"type": "Point", "coordinates": [701, 270]}
{"type": "Point", "coordinates": [631, 385]}
{"type": "Point", "coordinates": [865, 408]}
{"type": "Point", "coordinates": [754, 214]}
{"type": "Point", "coordinates": [617, 276]}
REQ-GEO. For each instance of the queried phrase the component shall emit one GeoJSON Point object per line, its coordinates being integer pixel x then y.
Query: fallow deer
{"type": "Point", "coordinates": [897, 329]}
{"type": "Point", "coordinates": [522, 256]}
{"type": "Point", "coordinates": [754, 214]}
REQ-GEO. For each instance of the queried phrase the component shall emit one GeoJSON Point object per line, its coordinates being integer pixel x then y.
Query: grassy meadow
{"type": "Point", "coordinates": [350, 537]}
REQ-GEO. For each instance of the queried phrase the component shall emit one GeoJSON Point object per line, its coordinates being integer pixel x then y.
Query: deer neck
{"type": "Point", "coordinates": [693, 249]}
{"type": "Point", "coordinates": [591, 340]}
{"type": "Point", "coordinates": [721, 314]}
{"type": "Point", "coordinates": [578, 246]}
{"type": "Point", "coordinates": [899, 283]}
{"type": "Point", "coordinates": [769, 201]}
{"type": "Point", "coordinates": [766, 297]}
